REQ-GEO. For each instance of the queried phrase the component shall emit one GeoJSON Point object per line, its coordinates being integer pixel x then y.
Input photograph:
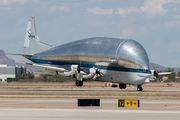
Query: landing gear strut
{"type": "Point", "coordinates": [79, 83]}
{"type": "Point", "coordinates": [122, 86]}
{"type": "Point", "coordinates": [139, 88]}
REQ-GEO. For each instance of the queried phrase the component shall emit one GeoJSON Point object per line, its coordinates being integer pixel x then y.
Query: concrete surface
{"type": "Point", "coordinates": [64, 109]}
{"type": "Point", "coordinates": [89, 114]}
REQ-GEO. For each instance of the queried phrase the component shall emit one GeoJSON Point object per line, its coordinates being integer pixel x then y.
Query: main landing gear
{"type": "Point", "coordinates": [79, 83]}
{"type": "Point", "coordinates": [139, 88]}
{"type": "Point", "coordinates": [122, 86]}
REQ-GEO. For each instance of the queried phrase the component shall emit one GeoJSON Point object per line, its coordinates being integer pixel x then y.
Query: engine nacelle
{"type": "Point", "coordinates": [81, 74]}
{"type": "Point", "coordinates": [92, 73]}
{"type": "Point", "coordinates": [70, 73]}
{"type": "Point", "coordinates": [74, 67]}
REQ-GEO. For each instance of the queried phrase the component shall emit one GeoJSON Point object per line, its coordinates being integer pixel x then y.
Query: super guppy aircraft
{"type": "Point", "coordinates": [122, 61]}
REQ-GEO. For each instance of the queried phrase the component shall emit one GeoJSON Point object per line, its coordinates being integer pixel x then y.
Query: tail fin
{"type": "Point", "coordinates": [32, 44]}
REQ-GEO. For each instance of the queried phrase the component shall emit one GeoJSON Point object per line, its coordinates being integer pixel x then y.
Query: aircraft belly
{"type": "Point", "coordinates": [123, 77]}
{"type": "Point", "coordinates": [132, 78]}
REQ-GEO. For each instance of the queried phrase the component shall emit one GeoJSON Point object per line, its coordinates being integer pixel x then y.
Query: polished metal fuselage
{"type": "Point", "coordinates": [112, 54]}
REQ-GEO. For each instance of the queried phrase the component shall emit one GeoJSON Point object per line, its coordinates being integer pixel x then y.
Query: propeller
{"type": "Point", "coordinates": [97, 73]}
{"type": "Point", "coordinates": [155, 73]}
{"type": "Point", "coordinates": [79, 70]}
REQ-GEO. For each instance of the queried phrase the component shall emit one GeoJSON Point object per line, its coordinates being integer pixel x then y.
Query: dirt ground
{"type": "Point", "coordinates": [151, 91]}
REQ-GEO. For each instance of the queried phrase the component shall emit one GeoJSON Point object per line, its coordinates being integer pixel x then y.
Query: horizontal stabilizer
{"type": "Point", "coordinates": [23, 54]}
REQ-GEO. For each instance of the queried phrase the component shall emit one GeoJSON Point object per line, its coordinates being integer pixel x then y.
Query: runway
{"type": "Point", "coordinates": [50, 101]}
{"type": "Point", "coordinates": [89, 114]}
{"type": "Point", "coordinates": [64, 109]}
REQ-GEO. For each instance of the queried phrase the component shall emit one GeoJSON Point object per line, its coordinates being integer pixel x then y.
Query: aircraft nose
{"type": "Point", "coordinates": [144, 75]}
{"type": "Point", "coordinates": [131, 54]}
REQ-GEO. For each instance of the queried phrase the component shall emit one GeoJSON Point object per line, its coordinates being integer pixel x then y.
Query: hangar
{"type": "Point", "coordinates": [10, 73]}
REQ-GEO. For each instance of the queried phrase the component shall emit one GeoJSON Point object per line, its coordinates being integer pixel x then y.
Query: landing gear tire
{"type": "Point", "coordinates": [122, 86]}
{"type": "Point", "coordinates": [139, 88]}
{"type": "Point", "coordinates": [79, 83]}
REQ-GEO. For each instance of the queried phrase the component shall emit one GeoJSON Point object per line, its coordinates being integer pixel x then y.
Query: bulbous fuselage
{"type": "Point", "coordinates": [119, 57]}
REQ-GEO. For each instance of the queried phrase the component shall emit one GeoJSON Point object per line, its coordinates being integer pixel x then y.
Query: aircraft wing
{"type": "Point", "coordinates": [46, 67]}
{"type": "Point", "coordinates": [165, 73]}
{"type": "Point", "coordinates": [80, 74]}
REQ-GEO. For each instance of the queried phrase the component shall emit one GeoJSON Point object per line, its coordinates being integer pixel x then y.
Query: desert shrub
{"type": "Point", "coordinates": [53, 78]}
{"type": "Point", "coordinates": [30, 76]}
{"type": "Point", "coordinates": [171, 80]}
{"type": "Point", "coordinates": [58, 78]}
{"type": "Point", "coordinates": [25, 76]}
{"type": "Point", "coordinates": [43, 78]}
{"type": "Point", "coordinates": [29, 80]}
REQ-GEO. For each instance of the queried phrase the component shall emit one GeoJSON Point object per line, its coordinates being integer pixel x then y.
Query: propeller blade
{"type": "Point", "coordinates": [95, 76]}
{"type": "Point", "coordinates": [155, 73]}
{"type": "Point", "coordinates": [97, 73]}
{"type": "Point", "coordinates": [79, 69]}
{"type": "Point", "coordinates": [80, 63]}
{"type": "Point", "coordinates": [78, 76]}
{"type": "Point", "coordinates": [101, 67]}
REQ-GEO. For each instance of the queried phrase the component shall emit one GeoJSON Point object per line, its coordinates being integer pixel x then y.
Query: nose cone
{"type": "Point", "coordinates": [131, 54]}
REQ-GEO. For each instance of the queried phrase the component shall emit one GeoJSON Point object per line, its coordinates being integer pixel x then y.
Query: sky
{"type": "Point", "coordinates": [155, 24]}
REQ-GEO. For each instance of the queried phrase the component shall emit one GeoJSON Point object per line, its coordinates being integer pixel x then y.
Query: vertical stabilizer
{"type": "Point", "coordinates": [32, 44]}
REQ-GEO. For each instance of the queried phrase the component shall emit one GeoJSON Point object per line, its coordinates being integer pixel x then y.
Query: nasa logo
{"type": "Point", "coordinates": [31, 36]}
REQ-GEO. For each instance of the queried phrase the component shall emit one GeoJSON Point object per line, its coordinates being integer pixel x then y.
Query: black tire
{"type": "Point", "coordinates": [77, 83]}
{"type": "Point", "coordinates": [81, 83]}
{"type": "Point", "coordinates": [139, 89]}
{"type": "Point", "coordinates": [122, 86]}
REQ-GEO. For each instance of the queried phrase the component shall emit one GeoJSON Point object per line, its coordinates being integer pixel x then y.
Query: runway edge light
{"type": "Point", "coordinates": [128, 103]}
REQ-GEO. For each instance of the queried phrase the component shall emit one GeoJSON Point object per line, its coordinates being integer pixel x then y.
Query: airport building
{"type": "Point", "coordinates": [10, 73]}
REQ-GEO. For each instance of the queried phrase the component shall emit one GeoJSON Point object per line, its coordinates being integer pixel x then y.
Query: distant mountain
{"type": "Point", "coordinates": [157, 67]}
{"type": "Point", "coordinates": [5, 60]}
{"type": "Point", "coordinates": [10, 62]}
